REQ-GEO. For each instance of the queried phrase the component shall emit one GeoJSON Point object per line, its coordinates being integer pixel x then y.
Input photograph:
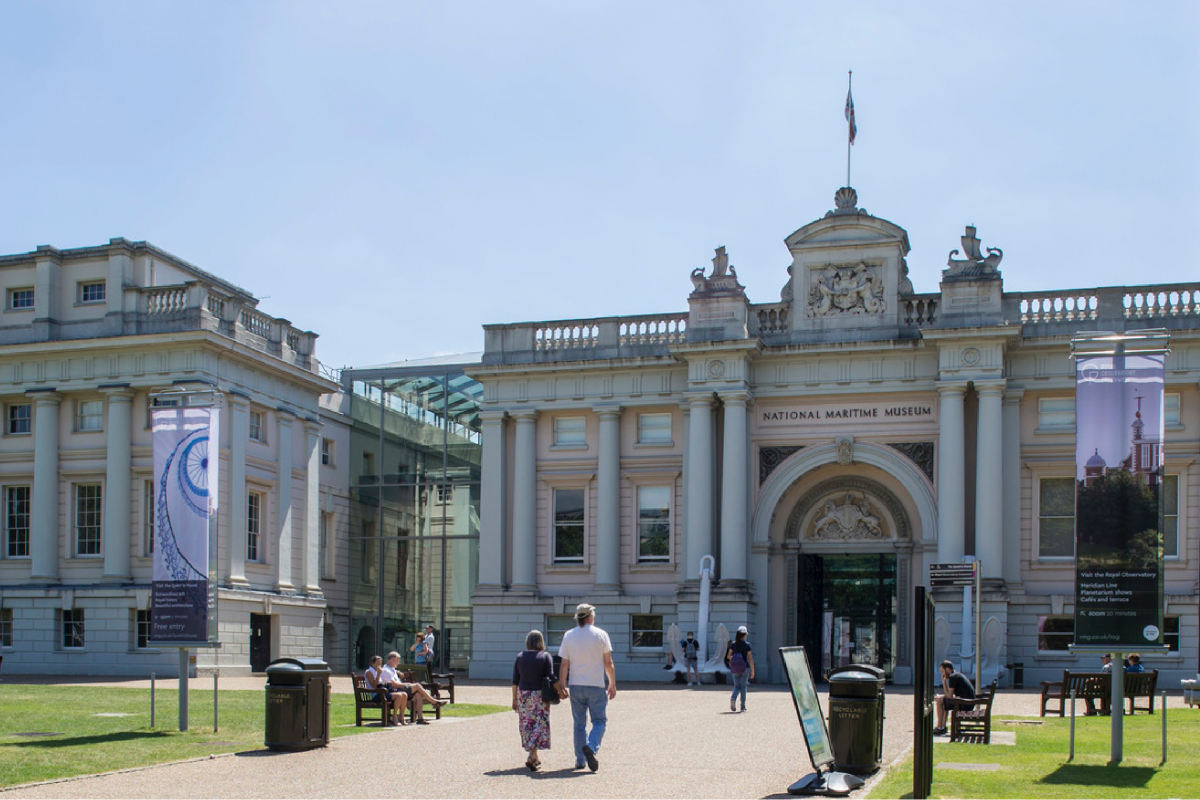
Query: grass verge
{"type": "Point", "coordinates": [1037, 766]}
{"type": "Point", "coordinates": [49, 732]}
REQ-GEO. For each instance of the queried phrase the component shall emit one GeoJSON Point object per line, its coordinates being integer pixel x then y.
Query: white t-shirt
{"type": "Point", "coordinates": [585, 648]}
{"type": "Point", "coordinates": [388, 675]}
{"type": "Point", "coordinates": [429, 640]}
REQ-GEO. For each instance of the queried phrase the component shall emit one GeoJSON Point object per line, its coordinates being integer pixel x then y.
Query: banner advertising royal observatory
{"type": "Point", "coordinates": [183, 505]}
{"type": "Point", "coordinates": [1118, 538]}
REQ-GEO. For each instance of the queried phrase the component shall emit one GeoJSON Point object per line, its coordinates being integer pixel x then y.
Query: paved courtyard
{"type": "Point", "coordinates": [663, 740]}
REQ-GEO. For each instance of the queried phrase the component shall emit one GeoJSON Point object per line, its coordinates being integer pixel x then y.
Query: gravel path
{"type": "Point", "coordinates": [663, 740]}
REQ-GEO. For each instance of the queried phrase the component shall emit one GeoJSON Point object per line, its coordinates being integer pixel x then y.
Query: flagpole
{"type": "Point", "coordinates": [849, 122]}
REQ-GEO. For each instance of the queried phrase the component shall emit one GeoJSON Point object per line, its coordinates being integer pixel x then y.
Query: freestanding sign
{"type": "Point", "coordinates": [183, 588]}
{"type": "Point", "coordinates": [1118, 529]}
{"type": "Point", "coordinates": [816, 736]}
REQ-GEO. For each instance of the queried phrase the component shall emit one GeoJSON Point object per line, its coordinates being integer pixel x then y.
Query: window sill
{"type": "Point", "coordinates": [1053, 429]}
{"type": "Point", "coordinates": [19, 433]}
{"type": "Point", "coordinates": [643, 445]}
{"type": "Point", "coordinates": [652, 566]}
{"type": "Point", "coordinates": [570, 567]}
{"type": "Point", "coordinates": [558, 448]}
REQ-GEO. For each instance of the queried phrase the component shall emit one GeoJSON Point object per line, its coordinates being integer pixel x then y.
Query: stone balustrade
{"type": "Point", "coordinates": [1113, 308]}
{"type": "Point", "coordinates": [1164, 305]}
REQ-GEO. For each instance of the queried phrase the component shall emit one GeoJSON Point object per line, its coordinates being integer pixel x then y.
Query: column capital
{"type": "Point", "coordinates": [44, 396]}
{"type": "Point", "coordinates": [117, 392]}
{"type": "Point", "coordinates": [524, 415]}
{"type": "Point", "coordinates": [313, 427]}
{"type": "Point", "coordinates": [991, 386]}
{"type": "Point", "coordinates": [1013, 395]}
{"type": "Point", "coordinates": [608, 410]}
{"type": "Point", "coordinates": [698, 399]}
{"type": "Point", "coordinates": [492, 416]}
{"type": "Point", "coordinates": [237, 399]}
{"type": "Point", "coordinates": [736, 397]}
{"type": "Point", "coordinates": [284, 415]}
{"type": "Point", "coordinates": [951, 387]}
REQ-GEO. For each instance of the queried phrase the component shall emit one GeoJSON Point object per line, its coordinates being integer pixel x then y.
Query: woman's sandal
{"type": "Point", "coordinates": [533, 765]}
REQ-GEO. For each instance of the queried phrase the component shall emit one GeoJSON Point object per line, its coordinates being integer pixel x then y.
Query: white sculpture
{"type": "Point", "coordinates": [716, 663]}
{"type": "Point", "coordinates": [675, 647]}
{"type": "Point", "coordinates": [941, 645]}
{"type": "Point", "coordinates": [991, 642]}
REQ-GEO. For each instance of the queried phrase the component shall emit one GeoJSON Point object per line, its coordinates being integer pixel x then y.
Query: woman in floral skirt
{"type": "Point", "coordinates": [533, 664]}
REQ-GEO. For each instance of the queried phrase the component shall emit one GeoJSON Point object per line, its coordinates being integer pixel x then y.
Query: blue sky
{"type": "Point", "coordinates": [395, 175]}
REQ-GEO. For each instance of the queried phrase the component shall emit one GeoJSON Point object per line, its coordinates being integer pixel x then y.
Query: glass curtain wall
{"type": "Point", "coordinates": [414, 527]}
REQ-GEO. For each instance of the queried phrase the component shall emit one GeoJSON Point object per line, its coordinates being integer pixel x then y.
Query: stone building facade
{"type": "Point", "coordinates": [88, 334]}
{"type": "Point", "coordinates": [825, 450]}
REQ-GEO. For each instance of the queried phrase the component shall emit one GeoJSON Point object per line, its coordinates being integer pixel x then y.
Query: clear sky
{"type": "Point", "coordinates": [394, 175]}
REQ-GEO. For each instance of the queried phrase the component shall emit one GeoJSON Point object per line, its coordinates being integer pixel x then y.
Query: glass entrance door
{"type": "Point", "coordinates": [848, 610]}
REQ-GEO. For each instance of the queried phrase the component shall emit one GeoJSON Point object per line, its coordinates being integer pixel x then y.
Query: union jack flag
{"type": "Point", "coordinates": [850, 116]}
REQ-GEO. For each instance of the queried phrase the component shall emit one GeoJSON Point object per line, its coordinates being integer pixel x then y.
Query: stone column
{"type": "Point", "coordinates": [43, 516]}
{"type": "Point", "coordinates": [117, 482]}
{"type": "Point", "coordinates": [491, 502]}
{"type": "Point", "coordinates": [951, 464]}
{"type": "Point", "coordinates": [685, 557]}
{"type": "Point", "coordinates": [283, 507]}
{"type": "Point", "coordinates": [312, 509]}
{"type": "Point", "coordinates": [239, 433]}
{"type": "Point", "coordinates": [524, 555]}
{"type": "Point", "coordinates": [1012, 484]}
{"type": "Point", "coordinates": [700, 482]}
{"type": "Point", "coordinates": [608, 500]}
{"type": "Point", "coordinates": [734, 524]}
{"type": "Point", "coordinates": [989, 479]}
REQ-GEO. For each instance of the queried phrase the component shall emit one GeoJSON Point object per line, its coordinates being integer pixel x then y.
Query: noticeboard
{"type": "Point", "coordinates": [941, 575]}
{"type": "Point", "coordinates": [804, 693]}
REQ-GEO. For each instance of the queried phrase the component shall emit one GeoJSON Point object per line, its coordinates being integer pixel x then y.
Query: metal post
{"type": "Point", "coordinates": [1071, 755]}
{"type": "Point", "coordinates": [183, 689]}
{"type": "Point", "coordinates": [1117, 709]}
{"type": "Point", "coordinates": [216, 673]}
{"type": "Point", "coordinates": [1164, 729]}
{"type": "Point", "coordinates": [978, 631]}
{"type": "Point", "coordinates": [151, 699]}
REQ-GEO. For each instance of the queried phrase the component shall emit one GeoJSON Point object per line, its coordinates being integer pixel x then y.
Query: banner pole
{"type": "Point", "coordinates": [183, 689]}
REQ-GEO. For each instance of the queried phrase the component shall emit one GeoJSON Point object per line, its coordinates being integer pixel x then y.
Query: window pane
{"type": "Point", "coordinates": [654, 523]}
{"type": "Point", "coordinates": [556, 626]}
{"type": "Point", "coordinates": [570, 430]}
{"type": "Point", "coordinates": [16, 521]}
{"type": "Point", "coordinates": [1057, 537]}
{"type": "Point", "coordinates": [20, 418]}
{"type": "Point", "coordinates": [88, 519]}
{"type": "Point", "coordinates": [646, 630]}
{"type": "Point", "coordinates": [1171, 409]}
{"type": "Point", "coordinates": [1056, 412]}
{"type": "Point", "coordinates": [1055, 633]}
{"type": "Point", "coordinates": [1058, 497]}
{"type": "Point", "coordinates": [654, 428]}
{"type": "Point", "coordinates": [568, 524]}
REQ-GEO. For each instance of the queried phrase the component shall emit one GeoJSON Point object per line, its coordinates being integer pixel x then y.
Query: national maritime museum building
{"type": "Point", "coordinates": [802, 463]}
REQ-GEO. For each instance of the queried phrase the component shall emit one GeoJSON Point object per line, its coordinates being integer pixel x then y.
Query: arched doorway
{"type": "Point", "coordinates": [853, 543]}
{"type": "Point", "coordinates": [841, 530]}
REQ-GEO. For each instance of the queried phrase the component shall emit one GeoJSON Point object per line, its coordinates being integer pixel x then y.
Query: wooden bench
{"type": "Point", "coordinates": [1098, 686]}
{"type": "Point", "coordinates": [367, 698]}
{"type": "Point", "coordinates": [419, 673]}
{"type": "Point", "coordinates": [971, 720]}
{"type": "Point", "coordinates": [434, 682]}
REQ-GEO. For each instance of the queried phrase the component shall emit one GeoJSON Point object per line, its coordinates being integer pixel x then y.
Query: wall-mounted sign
{"type": "Point", "coordinates": [852, 412]}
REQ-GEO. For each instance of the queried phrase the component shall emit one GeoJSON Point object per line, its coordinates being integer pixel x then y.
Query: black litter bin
{"type": "Point", "coordinates": [297, 704]}
{"type": "Point", "coordinates": [856, 718]}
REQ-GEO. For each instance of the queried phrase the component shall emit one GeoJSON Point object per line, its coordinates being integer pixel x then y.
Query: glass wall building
{"type": "Point", "coordinates": [413, 546]}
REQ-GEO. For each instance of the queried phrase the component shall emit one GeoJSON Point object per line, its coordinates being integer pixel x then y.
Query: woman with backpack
{"type": "Point", "coordinates": [740, 660]}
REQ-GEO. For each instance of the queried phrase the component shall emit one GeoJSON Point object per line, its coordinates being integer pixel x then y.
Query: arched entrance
{"type": "Point", "coordinates": [853, 543]}
{"type": "Point", "coordinates": [840, 531]}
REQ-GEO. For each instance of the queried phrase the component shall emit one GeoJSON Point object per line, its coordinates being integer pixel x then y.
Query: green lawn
{"type": "Point", "coordinates": [1037, 766]}
{"type": "Point", "coordinates": [49, 732]}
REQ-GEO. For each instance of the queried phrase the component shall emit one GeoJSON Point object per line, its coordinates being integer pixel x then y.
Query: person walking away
{"type": "Point", "coordinates": [691, 657]}
{"type": "Point", "coordinates": [955, 686]}
{"type": "Point", "coordinates": [532, 667]}
{"type": "Point", "coordinates": [431, 645]}
{"type": "Point", "coordinates": [586, 654]}
{"type": "Point", "coordinates": [740, 660]}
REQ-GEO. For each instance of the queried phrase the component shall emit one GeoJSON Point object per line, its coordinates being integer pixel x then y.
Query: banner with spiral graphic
{"type": "Point", "coordinates": [181, 605]}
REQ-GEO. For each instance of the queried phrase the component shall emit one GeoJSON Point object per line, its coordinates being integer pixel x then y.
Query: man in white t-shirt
{"type": "Point", "coordinates": [587, 666]}
{"type": "Point", "coordinates": [429, 641]}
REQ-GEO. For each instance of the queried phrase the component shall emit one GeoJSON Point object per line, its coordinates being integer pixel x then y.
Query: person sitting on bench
{"type": "Point", "coordinates": [1089, 703]}
{"type": "Point", "coordinates": [955, 686]}
{"type": "Point", "coordinates": [398, 699]}
{"type": "Point", "coordinates": [417, 695]}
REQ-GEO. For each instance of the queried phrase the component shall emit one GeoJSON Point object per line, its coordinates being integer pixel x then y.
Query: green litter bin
{"type": "Point", "coordinates": [856, 718]}
{"type": "Point", "coordinates": [298, 703]}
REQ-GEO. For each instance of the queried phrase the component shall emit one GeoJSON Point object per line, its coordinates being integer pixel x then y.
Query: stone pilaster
{"type": "Point", "coordinates": [491, 503]}
{"type": "Point", "coordinates": [117, 479]}
{"type": "Point", "coordinates": [734, 522]}
{"type": "Point", "coordinates": [700, 482]}
{"type": "Point", "coordinates": [283, 506]}
{"type": "Point", "coordinates": [524, 554]}
{"type": "Point", "coordinates": [43, 522]}
{"type": "Point", "coordinates": [608, 500]}
{"type": "Point", "coordinates": [312, 510]}
{"type": "Point", "coordinates": [951, 463]}
{"type": "Point", "coordinates": [1012, 484]}
{"type": "Point", "coordinates": [989, 479]}
{"type": "Point", "coordinates": [239, 433]}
